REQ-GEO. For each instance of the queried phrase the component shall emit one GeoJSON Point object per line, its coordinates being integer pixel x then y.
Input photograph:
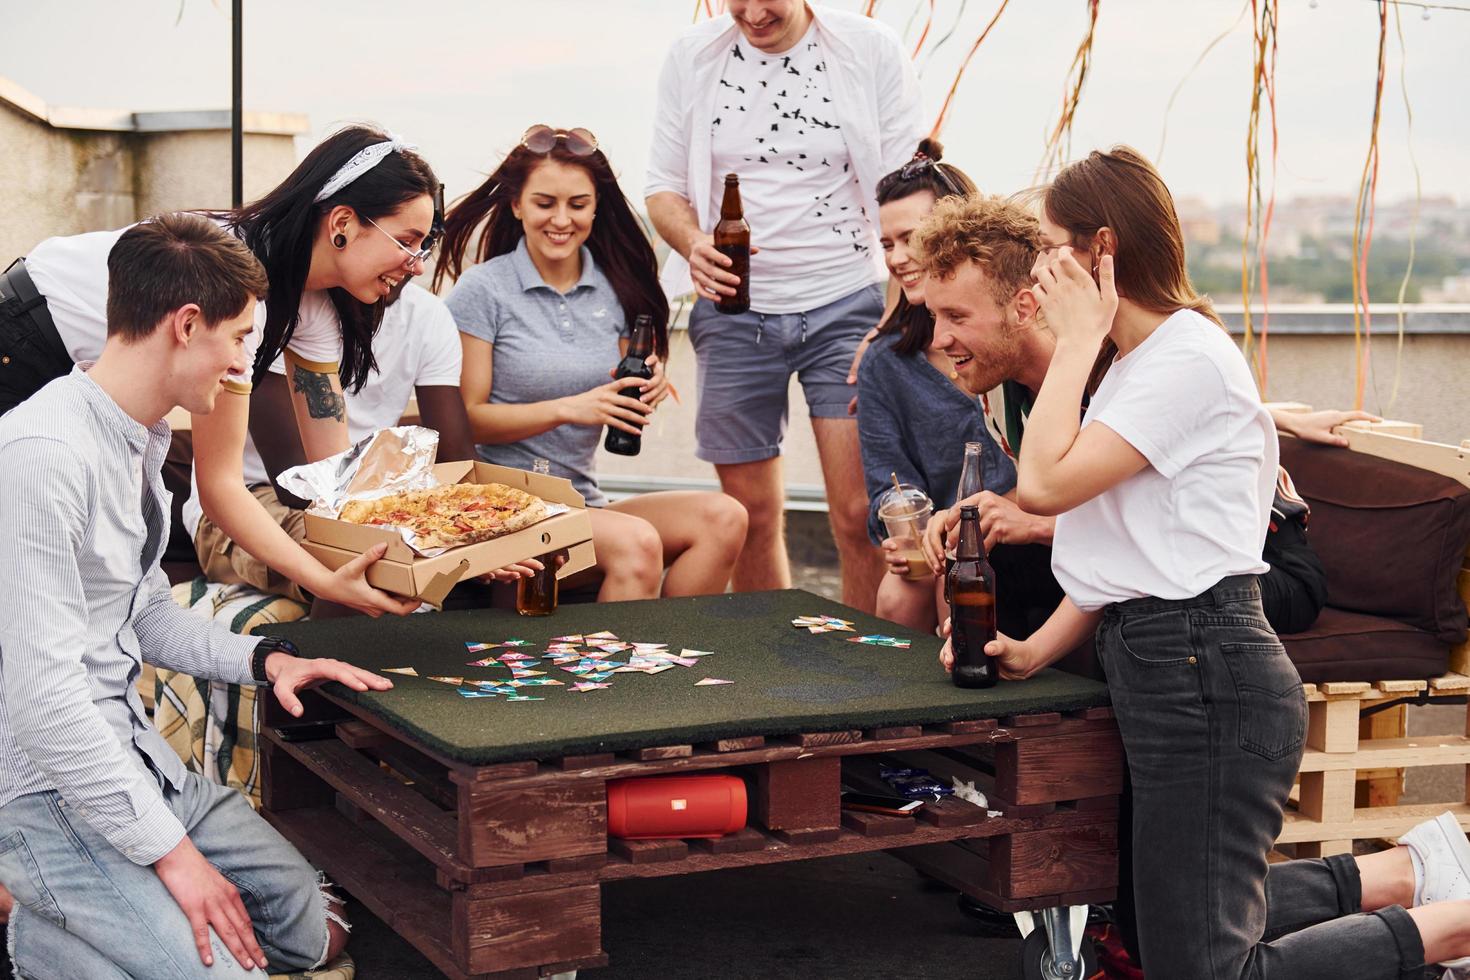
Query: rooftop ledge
{"type": "Point", "coordinates": [120, 121]}
{"type": "Point", "coordinates": [1337, 318]}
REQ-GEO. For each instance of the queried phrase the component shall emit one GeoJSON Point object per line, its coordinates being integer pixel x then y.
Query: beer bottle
{"type": "Point", "coordinates": [536, 596]}
{"type": "Point", "coordinates": [971, 585]}
{"type": "Point", "coordinates": [633, 365]}
{"type": "Point", "coordinates": [972, 481]}
{"type": "Point", "coordinates": [732, 240]}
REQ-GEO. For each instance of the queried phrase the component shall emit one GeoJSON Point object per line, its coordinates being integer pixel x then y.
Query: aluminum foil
{"type": "Point", "coordinates": [387, 462]}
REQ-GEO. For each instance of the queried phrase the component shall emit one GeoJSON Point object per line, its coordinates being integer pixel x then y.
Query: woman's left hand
{"type": "Point", "coordinates": [656, 388]}
{"type": "Point", "coordinates": [1075, 307]}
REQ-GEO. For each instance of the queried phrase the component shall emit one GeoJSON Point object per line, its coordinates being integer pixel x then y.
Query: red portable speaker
{"type": "Point", "coordinates": [651, 807]}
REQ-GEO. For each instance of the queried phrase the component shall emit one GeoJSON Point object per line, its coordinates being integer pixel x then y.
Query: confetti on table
{"type": "Point", "coordinates": [401, 670]}
{"type": "Point", "coordinates": [711, 682]}
{"type": "Point", "coordinates": [599, 677]}
{"type": "Point", "coordinates": [534, 681]}
{"type": "Point", "coordinates": [509, 657]}
{"type": "Point", "coordinates": [448, 680]}
{"type": "Point", "coordinates": [480, 647]}
{"type": "Point", "coordinates": [574, 638]}
{"type": "Point", "coordinates": [822, 624]}
{"type": "Point", "coordinates": [604, 635]}
{"type": "Point", "coordinates": [516, 643]}
{"type": "Point", "coordinates": [523, 697]}
{"type": "Point", "coordinates": [526, 673]}
{"type": "Point", "coordinates": [582, 687]}
{"type": "Point", "coordinates": [878, 640]}
{"type": "Point", "coordinates": [686, 652]}
{"type": "Point", "coordinates": [476, 692]}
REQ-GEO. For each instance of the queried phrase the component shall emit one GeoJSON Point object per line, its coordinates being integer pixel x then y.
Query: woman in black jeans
{"type": "Point", "coordinates": [1162, 496]}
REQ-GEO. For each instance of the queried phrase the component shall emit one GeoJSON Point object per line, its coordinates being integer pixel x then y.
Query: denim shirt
{"type": "Point", "coordinates": [83, 604]}
{"type": "Point", "coordinates": [913, 422]}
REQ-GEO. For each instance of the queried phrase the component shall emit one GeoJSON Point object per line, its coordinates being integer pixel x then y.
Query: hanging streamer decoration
{"type": "Point", "coordinates": [1059, 143]}
{"type": "Point", "coordinates": [1258, 213]}
{"type": "Point", "coordinates": [1174, 95]}
{"type": "Point", "coordinates": [1398, 364]}
{"type": "Point", "coordinates": [1363, 224]}
{"type": "Point", "coordinates": [960, 73]}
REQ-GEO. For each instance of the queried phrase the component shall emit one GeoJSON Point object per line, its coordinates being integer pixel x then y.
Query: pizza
{"type": "Point", "coordinates": [452, 515]}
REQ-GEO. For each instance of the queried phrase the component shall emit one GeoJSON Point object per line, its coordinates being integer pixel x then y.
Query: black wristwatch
{"type": "Point", "coordinates": [264, 649]}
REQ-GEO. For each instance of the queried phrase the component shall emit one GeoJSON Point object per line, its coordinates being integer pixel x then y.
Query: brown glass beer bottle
{"type": "Point", "coordinates": [537, 595]}
{"type": "Point", "coordinates": [971, 586]}
{"type": "Point", "coordinates": [732, 240]}
{"type": "Point", "coordinates": [634, 365]}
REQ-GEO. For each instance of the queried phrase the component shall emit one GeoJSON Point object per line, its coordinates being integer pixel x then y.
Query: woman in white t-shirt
{"type": "Point", "coordinates": [353, 220]}
{"type": "Point", "coordinates": [1162, 496]}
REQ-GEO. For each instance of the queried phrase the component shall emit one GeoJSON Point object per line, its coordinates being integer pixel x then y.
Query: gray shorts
{"type": "Point", "coordinates": [745, 363]}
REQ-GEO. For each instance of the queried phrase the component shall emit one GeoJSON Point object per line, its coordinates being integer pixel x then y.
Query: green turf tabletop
{"type": "Point", "coordinates": [786, 680]}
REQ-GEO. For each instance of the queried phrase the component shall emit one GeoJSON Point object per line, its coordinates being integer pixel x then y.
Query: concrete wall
{"type": "Point", "coordinates": [1434, 388]}
{"type": "Point", "coordinates": [65, 171]}
{"type": "Point", "coordinates": [59, 181]}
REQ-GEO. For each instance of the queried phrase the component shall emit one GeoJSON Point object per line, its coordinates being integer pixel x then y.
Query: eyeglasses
{"type": "Point", "coordinates": [541, 138]}
{"type": "Point", "coordinates": [917, 167]}
{"type": "Point", "coordinates": [412, 255]}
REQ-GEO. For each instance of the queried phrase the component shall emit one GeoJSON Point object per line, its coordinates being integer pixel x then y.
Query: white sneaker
{"type": "Point", "coordinates": [1440, 849]}
{"type": "Point", "coordinates": [1441, 857]}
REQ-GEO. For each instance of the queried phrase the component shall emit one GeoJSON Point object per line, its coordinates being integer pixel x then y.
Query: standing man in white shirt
{"type": "Point", "coordinates": [810, 107]}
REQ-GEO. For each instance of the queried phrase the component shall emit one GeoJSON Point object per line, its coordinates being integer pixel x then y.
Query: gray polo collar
{"type": "Point", "coordinates": [530, 277]}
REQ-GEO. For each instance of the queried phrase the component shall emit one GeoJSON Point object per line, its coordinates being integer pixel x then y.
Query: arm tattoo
{"type": "Point", "coordinates": [321, 401]}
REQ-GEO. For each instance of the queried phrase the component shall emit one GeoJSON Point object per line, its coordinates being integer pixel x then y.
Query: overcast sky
{"type": "Point", "coordinates": [464, 79]}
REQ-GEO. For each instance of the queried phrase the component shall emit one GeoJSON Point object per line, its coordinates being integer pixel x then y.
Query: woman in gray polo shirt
{"type": "Point", "coordinates": [543, 312]}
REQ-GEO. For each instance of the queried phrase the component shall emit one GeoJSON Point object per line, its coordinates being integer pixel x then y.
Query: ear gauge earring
{"type": "Point", "coordinates": [339, 240]}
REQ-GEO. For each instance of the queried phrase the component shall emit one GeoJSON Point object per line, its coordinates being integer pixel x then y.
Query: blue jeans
{"type": "Point", "coordinates": [1214, 722]}
{"type": "Point", "coordinates": [83, 910]}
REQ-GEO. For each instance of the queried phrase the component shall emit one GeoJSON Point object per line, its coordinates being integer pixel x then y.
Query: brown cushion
{"type": "Point", "coordinates": [1390, 535]}
{"type": "Point", "coordinates": [1349, 646]}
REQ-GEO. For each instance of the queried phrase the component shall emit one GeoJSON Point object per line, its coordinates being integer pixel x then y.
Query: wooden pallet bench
{"type": "Point", "coordinates": [1358, 747]}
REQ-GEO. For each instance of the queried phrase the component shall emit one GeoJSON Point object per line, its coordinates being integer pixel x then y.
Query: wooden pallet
{"type": "Point", "coordinates": [1353, 771]}
{"type": "Point", "coordinates": [496, 869]}
{"type": "Point", "coordinates": [1347, 789]}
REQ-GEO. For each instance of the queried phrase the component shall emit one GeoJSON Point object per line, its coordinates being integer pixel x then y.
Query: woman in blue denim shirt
{"type": "Point", "coordinates": [913, 417]}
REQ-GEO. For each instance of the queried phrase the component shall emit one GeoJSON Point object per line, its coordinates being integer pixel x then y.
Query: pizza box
{"type": "Point", "coordinates": [403, 571]}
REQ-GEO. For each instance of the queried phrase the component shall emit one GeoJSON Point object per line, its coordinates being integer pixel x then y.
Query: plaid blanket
{"type": "Point", "coordinates": [211, 724]}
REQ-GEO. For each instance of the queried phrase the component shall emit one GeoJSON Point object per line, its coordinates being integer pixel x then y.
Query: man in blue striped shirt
{"type": "Point", "coordinates": [121, 862]}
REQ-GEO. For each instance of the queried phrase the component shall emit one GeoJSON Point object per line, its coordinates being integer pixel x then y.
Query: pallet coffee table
{"type": "Point", "coordinates": [477, 828]}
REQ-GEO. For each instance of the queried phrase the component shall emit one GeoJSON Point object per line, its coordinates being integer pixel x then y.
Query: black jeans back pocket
{"type": "Point", "coordinates": [1270, 708]}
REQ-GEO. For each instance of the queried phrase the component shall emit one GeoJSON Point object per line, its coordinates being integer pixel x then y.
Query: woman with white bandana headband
{"type": "Point", "coordinates": [349, 224]}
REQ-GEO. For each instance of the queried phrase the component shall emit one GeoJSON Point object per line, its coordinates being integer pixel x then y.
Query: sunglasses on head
{"type": "Point", "coordinates": [919, 165]}
{"type": "Point", "coordinates": [541, 138]}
